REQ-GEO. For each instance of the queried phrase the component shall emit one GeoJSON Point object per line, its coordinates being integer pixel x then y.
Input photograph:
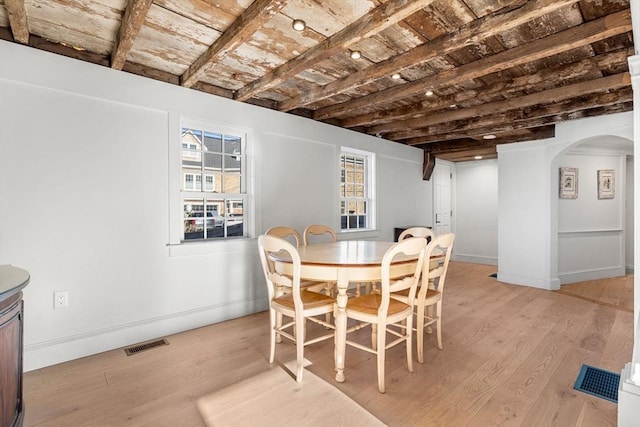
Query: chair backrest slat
{"type": "Point", "coordinates": [440, 246]}
{"type": "Point", "coordinates": [322, 232]}
{"type": "Point", "coordinates": [412, 247]}
{"type": "Point", "coordinates": [425, 232]}
{"type": "Point", "coordinates": [268, 245]}
{"type": "Point", "coordinates": [289, 234]}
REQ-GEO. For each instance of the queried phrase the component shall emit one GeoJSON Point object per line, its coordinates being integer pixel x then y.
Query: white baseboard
{"type": "Point", "coordinates": [52, 352]}
{"type": "Point", "coordinates": [475, 259]}
{"type": "Point", "coordinates": [532, 282]}
{"type": "Point", "coordinates": [583, 276]}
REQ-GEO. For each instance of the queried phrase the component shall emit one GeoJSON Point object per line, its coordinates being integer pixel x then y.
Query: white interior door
{"type": "Point", "coordinates": [442, 199]}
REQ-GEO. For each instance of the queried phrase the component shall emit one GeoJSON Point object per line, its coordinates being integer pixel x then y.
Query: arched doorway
{"type": "Point", "coordinates": [594, 219]}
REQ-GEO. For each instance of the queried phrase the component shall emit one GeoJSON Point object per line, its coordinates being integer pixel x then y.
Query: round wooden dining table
{"type": "Point", "coordinates": [343, 262]}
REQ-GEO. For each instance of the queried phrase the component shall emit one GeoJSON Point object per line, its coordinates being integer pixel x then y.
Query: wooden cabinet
{"type": "Point", "coordinates": [12, 281]}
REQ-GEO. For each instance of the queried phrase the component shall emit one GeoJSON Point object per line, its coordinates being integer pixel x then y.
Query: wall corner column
{"type": "Point", "coordinates": [629, 388]}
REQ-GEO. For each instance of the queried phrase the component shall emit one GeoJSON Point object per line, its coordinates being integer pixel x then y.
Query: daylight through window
{"type": "Point", "coordinates": [213, 190]}
{"type": "Point", "coordinates": [355, 191]}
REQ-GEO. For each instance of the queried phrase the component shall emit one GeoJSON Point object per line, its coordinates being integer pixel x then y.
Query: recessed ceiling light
{"type": "Point", "coordinates": [478, 157]}
{"type": "Point", "coordinates": [490, 136]}
{"type": "Point", "coordinates": [429, 93]}
{"type": "Point", "coordinates": [355, 54]}
{"type": "Point", "coordinates": [395, 76]}
{"type": "Point", "coordinates": [299, 24]}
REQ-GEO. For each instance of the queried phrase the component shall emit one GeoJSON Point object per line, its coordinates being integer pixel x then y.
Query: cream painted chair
{"type": "Point", "coordinates": [425, 232]}
{"type": "Point", "coordinates": [290, 234]}
{"type": "Point", "coordinates": [318, 233]}
{"type": "Point", "coordinates": [428, 299]}
{"type": "Point", "coordinates": [385, 314]}
{"type": "Point", "coordinates": [299, 304]}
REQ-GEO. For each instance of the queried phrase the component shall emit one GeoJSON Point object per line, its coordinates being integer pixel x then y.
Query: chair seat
{"type": "Point", "coordinates": [432, 296]}
{"type": "Point", "coordinates": [309, 300]}
{"type": "Point", "coordinates": [369, 304]}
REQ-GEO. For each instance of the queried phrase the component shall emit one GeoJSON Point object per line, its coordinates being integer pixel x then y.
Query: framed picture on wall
{"type": "Point", "coordinates": [606, 184]}
{"type": "Point", "coordinates": [568, 183]}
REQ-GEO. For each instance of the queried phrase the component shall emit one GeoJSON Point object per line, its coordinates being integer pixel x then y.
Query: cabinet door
{"type": "Point", "coordinates": [11, 365]}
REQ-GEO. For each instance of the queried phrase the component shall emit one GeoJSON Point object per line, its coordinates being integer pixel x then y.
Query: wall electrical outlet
{"type": "Point", "coordinates": [60, 299]}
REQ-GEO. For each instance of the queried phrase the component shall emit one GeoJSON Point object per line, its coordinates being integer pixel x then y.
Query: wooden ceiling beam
{"type": "Point", "coordinates": [529, 82]}
{"type": "Point", "coordinates": [18, 20]}
{"type": "Point", "coordinates": [557, 94]}
{"type": "Point", "coordinates": [250, 21]}
{"type": "Point", "coordinates": [57, 48]}
{"type": "Point", "coordinates": [506, 134]}
{"type": "Point", "coordinates": [463, 141]}
{"type": "Point", "coordinates": [509, 120]}
{"type": "Point", "coordinates": [468, 35]}
{"type": "Point", "coordinates": [376, 20]}
{"type": "Point", "coordinates": [132, 21]}
{"type": "Point", "coordinates": [572, 38]}
{"type": "Point", "coordinates": [466, 144]}
{"type": "Point", "coordinates": [428, 165]}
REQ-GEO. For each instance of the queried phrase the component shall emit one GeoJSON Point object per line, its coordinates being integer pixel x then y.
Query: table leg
{"type": "Point", "coordinates": [341, 324]}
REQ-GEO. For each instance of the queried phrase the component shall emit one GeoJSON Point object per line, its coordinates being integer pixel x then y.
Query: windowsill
{"type": "Point", "coordinates": [199, 247]}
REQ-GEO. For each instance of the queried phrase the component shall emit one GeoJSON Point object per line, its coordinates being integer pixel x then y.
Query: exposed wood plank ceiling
{"type": "Point", "coordinates": [467, 69]}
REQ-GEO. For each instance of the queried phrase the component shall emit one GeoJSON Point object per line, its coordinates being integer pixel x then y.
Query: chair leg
{"type": "Point", "coordinates": [329, 291]}
{"type": "Point", "coordinates": [381, 343]}
{"type": "Point", "coordinates": [278, 325]}
{"type": "Point", "coordinates": [300, 336]}
{"type": "Point", "coordinates": [374, 336]}
{"type": "Point", "coordinates": [408, 332]}
{"type": "Point", "coordinates": [428, 329]}
{"type": "Point", "coordinates": [272, 335]}
{"type": "Point", "coordinates": [439, 323]}
{"type": "Point", "coordinates": [420, 333]}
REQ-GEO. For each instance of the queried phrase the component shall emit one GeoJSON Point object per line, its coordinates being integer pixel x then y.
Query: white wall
{"type": "Point", "coordinates": [476, 213]}
{"type": "Point", "coordinates": [591, 231]}
{"type": "Point", "coordinates": [84, 201]}
{"type": "Point", "coordinates": [528, 205]}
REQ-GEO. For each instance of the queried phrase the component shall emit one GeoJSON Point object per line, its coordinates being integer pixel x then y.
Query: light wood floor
{"type": "Point", "coordinates": [511, 357]}
{"type": "Point", "coordinates": [615, 292]}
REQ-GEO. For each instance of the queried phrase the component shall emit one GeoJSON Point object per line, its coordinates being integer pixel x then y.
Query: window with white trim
{"type": "Point", "coordinates": [356, 190]}
{"type": "Point", "coordinates": [213, 191]}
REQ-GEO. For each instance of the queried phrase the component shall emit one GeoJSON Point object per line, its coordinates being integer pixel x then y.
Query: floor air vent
{"type": "Point", "coordinates": [145, 346]}
{"type": "Point", "coordinates": [598, 382]}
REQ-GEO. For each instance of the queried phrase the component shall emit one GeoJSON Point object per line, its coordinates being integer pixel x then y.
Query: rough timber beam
{"type": "Point", "coordinates": [18, 20]}
{"type": "Point", "coordinates": [602, 84]}
{"type": "Point", "coordinates": [368, 25]}
{"type": "Point", "coordinates": [585, 34]}
{"type": "Point", "coordinates": [132, 21]}
{"type": "Point", "coordinates": [527, 83]}
{"type": "Point", "coordinates": [470, 34]}
{"type": "Point", "coordinates": [251, 20]}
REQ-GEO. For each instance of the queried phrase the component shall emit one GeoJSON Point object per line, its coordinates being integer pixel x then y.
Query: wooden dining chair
{"type": "Point", "coordinates": [299, 304]}
{"type": "Point", "coordinates": [318, 233]}
{"type": "Point", "coordinates": [425, 232]}
{"type": "Point", "coordinates": [428, 298]}
{"type": "Point", "coordinates": [387, 315]}
{"type": "Point", "coordinates": [290, 234]}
